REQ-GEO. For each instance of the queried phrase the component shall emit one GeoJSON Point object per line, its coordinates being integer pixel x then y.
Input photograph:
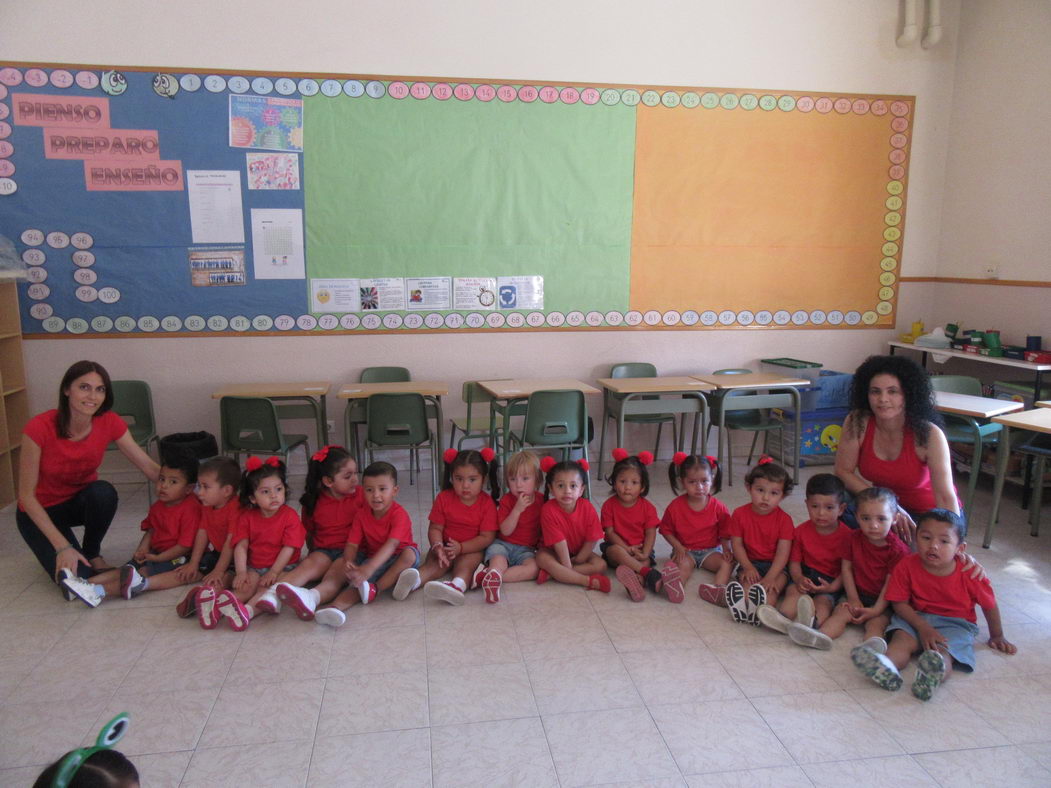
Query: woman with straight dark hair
{"type": "Point", "coordinates": [58, 485]}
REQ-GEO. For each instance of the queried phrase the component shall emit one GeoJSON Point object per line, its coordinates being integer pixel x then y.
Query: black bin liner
{"type": "Point", "coordinates": [188, 445]}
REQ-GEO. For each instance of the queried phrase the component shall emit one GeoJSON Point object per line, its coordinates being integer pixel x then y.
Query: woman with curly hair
{"type": "Point", "coordinates": [892, 438]}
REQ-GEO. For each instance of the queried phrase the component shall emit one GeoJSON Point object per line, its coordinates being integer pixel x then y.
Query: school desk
{"type": "Point", "coordinates": [1044, 403]}
{"type": "Point", "coordinates": [311, 394]}
{"type": "Point", "coordinates": [1016, 426]}
{"type": "Point", "coordinates": [687, 397]}
{"type": "Point", "coordinates": [430, 390]}
{"type": "Point", "coordinates": [755, 382]}
{"type": "Point", "coordinates": [975, 407]}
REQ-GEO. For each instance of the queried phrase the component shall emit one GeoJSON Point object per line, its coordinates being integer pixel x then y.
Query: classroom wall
{"type": "Point", "coordinates": [818, 45]}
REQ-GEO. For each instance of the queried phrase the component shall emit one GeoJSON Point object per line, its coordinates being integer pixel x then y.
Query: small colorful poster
{"type": "Point", "coordinates": [520, 292]}
{"type": "Point", "coordinates": [432, 292]}
{"type": "Point", "coordinates": [383, 294]}
{"type": "Point", "coordinates": [474, 292]}
{"type": "Point", "coordinates": [217, 267]}
{"type": "Point", "coordinates": [273, 170]}
{"type": "Point", "coordinates": [335, 295]}
{"type": "Point", "coordinates": [266, 122]}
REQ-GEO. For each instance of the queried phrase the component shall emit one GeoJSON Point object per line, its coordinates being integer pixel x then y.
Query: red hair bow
{"type": "Point", "coordinates": [547, 463]}
{"type": "Point", "coordinates": [646, 457]}
{"type": "Point", "coordinates": [679, 458]}
{"type": "Point", "coordinates": [321, 454]}
{"type": "Point", "coordinates": [620, 454]}
{"type": "Point", "coordinates": [254, 463]}
{"type": "Point", "coordinates": [584, 464]}
{"type": "Point", "coordinates": [711, 460]}
{"type": "Point", "coordinates": [487, 454]}
{"type": "Point", "coordinates": [449, 455]}
{"type": "Point", "coordinates": [765, 459]}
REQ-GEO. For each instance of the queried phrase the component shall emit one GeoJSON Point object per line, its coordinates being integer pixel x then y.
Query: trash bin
{"type": "Point", "coordinates": [188, 445]}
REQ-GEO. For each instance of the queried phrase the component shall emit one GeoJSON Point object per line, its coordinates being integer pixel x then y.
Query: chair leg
{"type": "Point", "coordinates": [602, 443]}
{"type": "Point", "coordinates": [976, 468]}
{"type": "Point", "coordinates": [751, 450]}
{"type": "Point", "coordinates": [1038, 494]}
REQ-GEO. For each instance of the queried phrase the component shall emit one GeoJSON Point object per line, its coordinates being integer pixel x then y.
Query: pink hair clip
{"type": "Point", "coordinates": [620, 454]}
{"type": "Point", "coordinates": [449, 455]}
{"type": "Point", "coordinates": [678, 458]}
{"type": "Point", "coordinates": [646, 457]}
{"type": "Point", "coordinates": [487, 454]}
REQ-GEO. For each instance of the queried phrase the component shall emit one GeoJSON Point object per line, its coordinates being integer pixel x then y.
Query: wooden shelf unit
{"type": "Point", "coordinates": [15, 410]}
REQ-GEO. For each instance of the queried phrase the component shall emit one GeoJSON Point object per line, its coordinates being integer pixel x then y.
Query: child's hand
{"type": "Point", "coordinates": [356, 576]}
{"type": "Point", "coordinates": [728, 556]}
{"type": "Point", "coordinates": [821, 587]}
{"type": "Point", "coordinates": [804, 586]}
{"type": "Point", "coordinates": [635, 551]}
{"type": "Point", "coordinates": [213, 579]}
{"type": "Point", "coordinates": [930, 638]}
{"type": "Point", "coordinates": [678, 554]}
{"type": "Point", "coordinates": [186, 573]}
{"type": "Point", "coordinates": [241, 581]}
{"type": "Point", "coordinates": [139, 555]}
{"type": "Point", "coordinates": [859, 615]}
{"type": "Point", "coordinates": [749, 577]}
{"type": "Point", "coordinates": [151, 556]}
{"type": "Point", "coordinates": [440, 555]}
{"type": "Point", "coordinates": [525, 500]}
{"type": "Point", "coordinates": [452, 549]}
{"type": "Point", "coordinates": [1002, 644]}
{"type": "Point", "coordinates": [269, 578]}
{"type": "Point", "coordinates": [770, 584]}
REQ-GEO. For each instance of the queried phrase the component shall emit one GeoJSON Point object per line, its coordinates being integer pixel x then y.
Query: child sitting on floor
{"type": "Point", "coordinates": [570, 529]}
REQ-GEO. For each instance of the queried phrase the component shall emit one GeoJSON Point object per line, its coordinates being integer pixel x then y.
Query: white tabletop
{"type": "Point", "coordinates": [976, 407]}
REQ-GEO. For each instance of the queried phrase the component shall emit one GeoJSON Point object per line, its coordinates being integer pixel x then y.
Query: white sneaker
{"type": "Point", "coordinates": [82, 590]}
{"type": "Point", "coordinates": [269, 602]}
{"type": "Point", "coordinates": [408, 581]}
{"type": "Point", "coordinates": [877, 644]}
{"type": "Point", "coordinates": [771, 618]}
{"type": "Point", "coordinates": [62, 575]}
{"type": "Point", "coordinates": [805, 610]}
{"type": "Point", "coordinates": [446, 592]}
{"type": "Point", "coordinates": [330, 617]}
{"type": "Point", "coordinates": [806, 636]}
{"type": "Point", "coordinates": [302, 600]}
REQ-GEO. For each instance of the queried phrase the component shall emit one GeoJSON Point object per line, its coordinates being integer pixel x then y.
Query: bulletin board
{"type": "Point", "coordinates": [175, 202]}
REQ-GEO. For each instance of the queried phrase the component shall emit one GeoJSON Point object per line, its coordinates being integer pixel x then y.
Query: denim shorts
{"type": "Point", "coordinates": [698, 556]}
{"type": "Point", "coordinates": [362, 558]}
{"type": "Point", "coordinates": [158, 567]}
{"type": "Point", "coordinates": [602, 548]}
{"type": "Point", "coordinates": [333, 553]}
{"type": "Point", "coordinates": [959, 632]}
{"type": "Point", "coordinates": [516, 554]}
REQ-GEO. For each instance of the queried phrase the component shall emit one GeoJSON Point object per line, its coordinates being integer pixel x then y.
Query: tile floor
{"type": "Point", "coordinates": [553, 686]}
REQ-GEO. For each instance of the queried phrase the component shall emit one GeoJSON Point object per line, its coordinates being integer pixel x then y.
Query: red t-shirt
{"type": "Point", "coordinates": [629, 522]}
{"type": "Point", "coordinates": [760, 532]}
{"type": "Point", "coordinates": [370, 534]}
{"type": "Point", "coordinates": [267, 535]}
{"type": "Point", "coordinates": [696, 530]}
{"type": "Point", "coordinates": [527, 532]}
{"type": "Point", "coordinates": [582, 525]}
{"type": "Point", "coordinates": [821, 552]}
{"type": "Point", "coordinates": [172, 525]}
{"type": "Point", "coordinates": [461, 522]}
{"type": "Point", "coordinates": [218, 523]}
{"type": "Point", "coordinates": [329, 522]}
{"type": "Point", "coordinates": [953, 595]}
{"type": "Point", "coordinates": [67, 467]}
{"type": "Point", "coordinates": [872, 564]}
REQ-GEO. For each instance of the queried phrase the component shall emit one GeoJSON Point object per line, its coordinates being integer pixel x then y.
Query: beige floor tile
{"type": "Point", "coordinates": [485, 754]}
{"type": "Point", "coordinates": [162, 770]}
{"type": "Point", "coordinates": [475, 693]}
{"type": "Point", "coordinates": [275, 765]}
{"type": "Point", "coordinates": [378, 650]}
{"type": "Point", "coordinates": [1013, 706]}
{"type": "Point", "coordinates": [772, 777]}
{"type": "Point", "coordinates": [476, 642]}
{"type": "Point", "coordinates": [387, 612]}
{"type": "Point", "coordinates": [553, 635]}
{"type": "Point", "coordinates": [606, 746]}
{"type": "Point", "coordinates": [35, 734]}
{"type": "Point", "coordinates": [994, 766]}
{"type": "Point", "coordinates": [825, 726]}
{"type": "Point", "coordinates": [594, 683]}
{"type": "Point", "coordinates": [190, 662]}
{"type": "Point", "coordinates": [639, 630]}
{"type": "Point", "coordinates": [718, 736]}
{"type": "Point", "coordinates": [263, 659]}
{"type": "Point", "coordinates": [265, 713]}
{"type": "Point", "coordinates": [891, 772]}
{"type": "Point", "coordinates": [377, 702]}
{"type": "Point", "coordinates": [22, 635]}
{"type": "Point", "coordinates": [160, 721]}
{"type": "Point", "coordinates": [51, 682]}
{"type": "Point", "coordinates": [675, 675]}
{"type": "Point", "coordinates": [398, 759]}
{"type": "Point", "coordinates": [528, 597]}
{"type": "Point", "coordinates": [1039, 752]}
{"type": "Point", "coordinates": [773, 669]}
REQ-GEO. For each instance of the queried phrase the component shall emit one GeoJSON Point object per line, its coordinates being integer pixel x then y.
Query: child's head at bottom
{"type": "Point", "coordinates": [941, 535]}
{"type": "Point", "coordinates": [263, 482]}
{"type": "Point", "coordinates": [523, 474]}
{"type": "Point", "coordinates": [466, 473]}
{"type": "Point", "coordinates": [177, 477]}
{"type": "Point", "coordinates": [102, 769]}
{"type": "Point", "coordinates": [566, 481]}
{"type": "Point", "coordinates": [217, 480]}
{"type": "Point", "coordinates": [768, 484]}
{"type": "Point", "coordinates": [826, 499]}
{"type": "Point", "coordinates": [379, 482]}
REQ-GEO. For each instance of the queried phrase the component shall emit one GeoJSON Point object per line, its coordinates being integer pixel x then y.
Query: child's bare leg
{"type": "Point", "coordinates": [248, 591]}
{"type": "Point", "coordinates": [877, 627]}
{"type": "Point", "coordinates": [430, 570]}
{"type": "Point", "coordinates": [901, 648]}
{"type": "Point", "coordinates": [406, 558]}
{"type": "Point", "coordinates": [331, 584]}
{"type": "Point", "coordinates": [720, 566]}
{"type": "Point", "coordinates": [527, 570]}
{"type": "Point", "coordinates": [464, 566]}
{"type": "Point", "coordinates": [344, 600]}
{"type": "Point", "coordinates": [498, 563]}
{"type": "Point", "coordinates": [310, 568]}
{"type": "Point", "coordinates": [790, 603]}
{"type": "Point", "coordinates": [617, 555]}
{"type": "Point", "coordinates": [822, 608]}
{"type": "Point", "coordinates": [836, 624]}
{"type": "Point", "coordinates": [170, 580]}
{"type": "Point", "coordinates": [595, 565]}
{"type": "Point", "coordinates": [686, 567]}
{"type": "Point", "coordinates": [547, 561]}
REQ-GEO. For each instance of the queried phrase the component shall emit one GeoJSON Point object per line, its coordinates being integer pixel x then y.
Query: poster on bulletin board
{"type": "Point", "coordinates": [200, 202]}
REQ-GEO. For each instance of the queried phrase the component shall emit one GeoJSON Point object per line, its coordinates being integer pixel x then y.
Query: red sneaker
{"type": "Point", "coordinates": [188, 606]}
{"type": "Point", "coordinates": [542, 577]}
{"type": "Point", "coordinates": [491, 585]}
{"type": "Point", "coordinates": [478, 577]}
{"type": "Point", "coordinates": [233, 610]}
{"type": "Point", "coordinates": [631, 581]}
{"type": "Point", "coordinates": [207, 612]}
{"type": "Point", "coordinates": [597, 582]}
{"type": "Point", "coordinates": [712, 594]}
{"type": "Point", "coordinates": [672, 578]}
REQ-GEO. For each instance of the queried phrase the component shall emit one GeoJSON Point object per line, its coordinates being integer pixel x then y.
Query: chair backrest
{"type": "Point", "coordinates": [396, 420]}
{"type": "Point", "coordinates": [472, 394]}
{"type": "Point", "coordinates": [133, 402]}
{"type": "Point", "coordinates": [249, 424]}
{"type": "Point", "coordinates": [555, 418]}
{"type": "Point", "coordinates": [385, 375]}
{"type": "Point", "coordinates": [633, 369]}
{"type": "Point", "coordinates": [957, 384]}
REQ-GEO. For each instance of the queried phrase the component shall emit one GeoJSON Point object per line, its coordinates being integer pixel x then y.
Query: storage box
{"type": "Point", "coordinates": [820, 435]}
{"type": "Point", "coordinates": [1038, 356]}
{"type": "Point", "coordinates": [1018, 391]}
{"type": "Point", "coordinates": [792, 367]}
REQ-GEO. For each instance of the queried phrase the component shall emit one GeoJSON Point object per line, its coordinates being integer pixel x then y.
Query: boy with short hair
{"type": "Point", "coordinates": [169, 528]}
{"type": "Point", "coordinates": [211, 561]}
{"type": "Point", "coordinates": [933, 597]}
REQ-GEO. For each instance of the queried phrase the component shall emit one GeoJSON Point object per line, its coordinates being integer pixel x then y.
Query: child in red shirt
{"type": "Point", "coordinates": [379, 550]}
{"type": "Point", "coordinates": [511, 557]}
{"type": "Point", "coordinates": [268, 540]}
{"type": "Point", "coordinates": [815, 564]}
{"type": "Point", "coordinates": [462, 526]}
{"type": "Point", "coordinates": [570, 529]}
{"type": "Point", "coordinates": [934, 597]}
{"type": "Point", "coordinates": [696, 524]}
{"type": "Point", "coordinates": [630, 523]}
{"type": "Point", "coordinates": [170, 526]}
{"type": "Point", "coordinates": [761, 535]}
{"type": "Point", "coordinates": [331, 500]}
{"type": "Point", "coordinates": [211, 562]}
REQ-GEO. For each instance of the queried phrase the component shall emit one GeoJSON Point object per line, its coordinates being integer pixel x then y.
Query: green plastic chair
{"type": "Point", "coordinates": [1038, 449]}
{"type": "Point", "coordinates": [133, 402]}
{"type": "Point", "coordinates": [354, 415]}
{"type": "Point", "coordinates": [249, 425]}
{"type": "Point", "coordinates": [475, 426]}
{"type": "Point", "coordinates": [966, 429]}
{"type": "Point", "coordinates": [399, 421]}
{"type": "Point", "coordinates": [555, 419]}
{"type": "Point", "coordinates": [750, 413]}
{"type": "Point", "coordinates": [612, 403]}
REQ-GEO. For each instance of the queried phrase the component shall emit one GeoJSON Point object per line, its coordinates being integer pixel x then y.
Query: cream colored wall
{"type": "Point", "coordinates": [820, 45]}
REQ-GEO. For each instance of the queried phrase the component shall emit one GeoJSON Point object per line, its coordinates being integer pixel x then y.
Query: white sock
{"type": "Point", "coordinates": [317, 596]}
{"type": "Point", "coordinates": [250, 610]}
{"type": "Point", "coordinates": [459, 583]}
{"type": "Point", "coordinates": [99, 590]}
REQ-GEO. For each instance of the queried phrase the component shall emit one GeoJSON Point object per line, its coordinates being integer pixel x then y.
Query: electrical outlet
{"type": "Point", "coordinates": [991, 271]}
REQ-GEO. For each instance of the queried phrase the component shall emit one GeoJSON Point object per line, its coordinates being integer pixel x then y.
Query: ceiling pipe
{"type": "Point", "coordinates": [933, 34]}
{"type": "Point", "coordinates": [909, 30]}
